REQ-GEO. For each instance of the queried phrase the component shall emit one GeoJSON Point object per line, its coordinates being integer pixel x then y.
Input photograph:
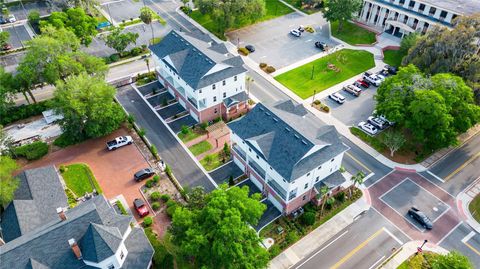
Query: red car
{"type": "Point", "coordinates": [361, 82]}
{"type": "Point", "coordinates": [140, 207]}
{"type": "Point", "coordinates": [7, 47]}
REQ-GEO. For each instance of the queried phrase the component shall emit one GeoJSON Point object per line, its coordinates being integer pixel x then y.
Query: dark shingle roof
{"type": "Point", "coordinates": [100, 242]}
{"type": "Point", "coordinates": [49, 245]}
{"type": "Point", "coordinates": [36, 200]}
{"type": "Point", "coordinates": [334, 180]}
{"type": "Point", "coordinates": [291, 139]}
{"type": "Point", "coordinates": [193, 57]}
{"type": "Point", "coordinates": [235, 99]}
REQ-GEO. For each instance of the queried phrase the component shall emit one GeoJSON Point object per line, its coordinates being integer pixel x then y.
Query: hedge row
{"type": "Point", "coordinates": [24, 111]}
{"type": "Point", "coordinates": [33, 151]}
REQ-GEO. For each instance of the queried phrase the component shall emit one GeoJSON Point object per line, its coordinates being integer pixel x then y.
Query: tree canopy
{"type": "Point", "coordinates": [444, 50]}
{"type": "Point", "coordinates": [87, 105]}
{"type": "Point", "coordinates": [74, 20]}
{"type": "Point", "coordinates": [4, 36]}
{"type": "Point", "coordinates": [119, 40]}
{"type": "Point", "coordinates": [228, 13]}
{"type": "Point", "coordinates": [7, 90]}
{"type": "Point", "coordinates": [217, 234]}
{"type": "Point", "coordinates": [453, 260]}
{"type": "Point", "coordinates": [341, 10]}
{"type": "Point", "coordinates": [434, 109]}
{"type": "Point", "coordinates": [8, 183]}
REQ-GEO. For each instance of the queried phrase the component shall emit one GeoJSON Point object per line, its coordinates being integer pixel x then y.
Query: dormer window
{"type": "Point", "coordinates": [224, 94]}
{"type": "Point", "coordinates": [223, 83]}
{"type": "Point", "coordinates": [122, 255]}
{"type": "Point", "coordinates": [213, 86]}
{"type": "Point", "coordinates": [235, 78]}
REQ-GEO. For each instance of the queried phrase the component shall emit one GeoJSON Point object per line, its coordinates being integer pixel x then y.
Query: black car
{"type": "Point", "coordinates": [2, 20]}
{"type": "Point", "coordinates": [420, 217]}
{"type": "Point", "coordinates": [143, 174]}
{"type": "Point", "coordinates": [321, 45]}
{"type": "Point", "coordinates": [250, 48]}
{"type": "Point", "coordinates": [392, 70]}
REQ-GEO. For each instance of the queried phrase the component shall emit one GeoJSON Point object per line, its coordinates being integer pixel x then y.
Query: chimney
{"type": "Point", "coordinates": [61, 214]}
{"type": "Point", "coordinates": [75, 248]}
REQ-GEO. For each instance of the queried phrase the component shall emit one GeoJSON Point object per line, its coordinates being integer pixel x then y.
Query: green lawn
{"type": "Point", "coordinates": [77, 178]}
{"type": "Point", "coordinates": [393, 57]}
{"type": "Point", "coordinates": [349, 62]}
{"type": "Point", "coordinates": [474, 208]}
{"type": "Point", "coordinates": [200, 148]}
{"type": "Point", "coordinates": [274, 8]}
{"type": "Point", "coordinates": [353, 34]}
{"type": "Point", "coordinates": [191, 134]}
{"type": "Point", "coordinates": [216, 160]}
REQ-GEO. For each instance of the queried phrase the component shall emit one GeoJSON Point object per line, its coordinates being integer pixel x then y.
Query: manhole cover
{"type": "Point", "coordinates": [435, 209]}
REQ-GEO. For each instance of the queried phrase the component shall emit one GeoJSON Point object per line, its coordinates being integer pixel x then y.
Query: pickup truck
{"type": "Point", "coordinates": [119, 142]}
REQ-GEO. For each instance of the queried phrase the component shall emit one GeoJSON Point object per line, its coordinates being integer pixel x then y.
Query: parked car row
{"type": "Point", "coordinates": [375, 124]}
{"type": "Point", "coordinates": [354, 89]}
{"type": "Point", "coordinates": [298, 31]}
{"type": "Point", "coordinates": [8, 19]}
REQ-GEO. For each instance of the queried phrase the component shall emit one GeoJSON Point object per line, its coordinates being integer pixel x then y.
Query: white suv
{"type": "Point", "coordinates": [373, 79]}
{"type": "Point", "coordinates": [337, 98]}
{"type": "Point", "coordinates": [368, 128]}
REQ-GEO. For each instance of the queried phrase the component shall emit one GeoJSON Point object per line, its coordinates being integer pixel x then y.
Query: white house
{"type": "Point", "coordinates": [202, 75]}
{"type": "Point", "coordinates": [287, 152]}
{"type": "Point", "coordinates": [401, 17]}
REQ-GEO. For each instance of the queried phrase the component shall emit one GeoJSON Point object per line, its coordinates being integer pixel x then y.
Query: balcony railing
{"type": "Point", "coordinates": [192, 101]}
{"type": "Point", "coordinates": [279, 190]}
{"type": "Point", "coordinates": [430, 17]}
{"type": "Point", "coordinates": [257, 169]}
{"type": "Point", "coordinates": [240, 152]}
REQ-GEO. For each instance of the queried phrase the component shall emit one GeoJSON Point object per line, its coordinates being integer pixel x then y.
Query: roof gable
{"type": "Point", "coordinates": [100, 242]}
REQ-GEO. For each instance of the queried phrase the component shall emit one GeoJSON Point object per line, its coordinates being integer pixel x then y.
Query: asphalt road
{"type": "Point", "coordinates": [364, 244]}
{"type": "Point", "coordinates": [185, 169]}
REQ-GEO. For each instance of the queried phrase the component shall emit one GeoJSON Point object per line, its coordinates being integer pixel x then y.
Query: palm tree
{"type": "Point", "coordinates": [249, 80]}
{"type": "Point", "coordinates": [147, 61]}
{"type": "Point", "coordinates": [357, 180]}
{"type": "Point", "coordinates": [146, 15]}
{"type": "Point", "coordinates": [323, 196]}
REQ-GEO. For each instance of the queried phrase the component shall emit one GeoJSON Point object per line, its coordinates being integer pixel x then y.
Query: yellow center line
{"type": "Point", "coordinates": [357, 161]}
{"type": "Point", "coordinates": [355, 250]}
{"type": "Point", "coordinates": [462, 166]}
{"type": "Point", "coordinates": [472, 248]}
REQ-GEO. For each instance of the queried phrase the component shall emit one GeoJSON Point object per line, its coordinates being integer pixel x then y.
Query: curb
{"type": "Point", "coordinates": [463, 201]}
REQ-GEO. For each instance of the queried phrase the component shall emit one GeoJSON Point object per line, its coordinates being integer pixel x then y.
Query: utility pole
{"type": "Point", "coordinates": [313, 71]}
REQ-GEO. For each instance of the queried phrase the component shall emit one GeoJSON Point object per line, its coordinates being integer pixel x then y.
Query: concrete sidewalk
{"type": "Point", "coordinates": [319, 236]}
{"type": "Point", "coordinates": [409, 249]}
{"type": "Point", "coordinates": [463, 201]}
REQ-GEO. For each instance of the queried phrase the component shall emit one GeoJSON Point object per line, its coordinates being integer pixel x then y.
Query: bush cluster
{"type": "Point", "coordinates": [270, 69]}
{"type": "Point", "coordinates": [263, 65]}
{"type": "Point", "coordinates": [16, 113]}
{"type": "Point", "coordinates": [171, 207]}
{"type": "Point", "coordinates": [155, 196]}
{"type": "Point", "coordinates": [165, 197]}
{"type": "Point", "coordinates": [243, 51]}
{"type": "Point", "coordinates": [147, 221]}
{"type": "Point", "coordinates": [33, 151]}
{"type": "Point", "coordinates": [126, 54]}
{"type": "Point", "coordinates": [155, 206]}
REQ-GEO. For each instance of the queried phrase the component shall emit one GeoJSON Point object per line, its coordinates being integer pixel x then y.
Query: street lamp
{"type": "Point", "coordinates": [419, 249]}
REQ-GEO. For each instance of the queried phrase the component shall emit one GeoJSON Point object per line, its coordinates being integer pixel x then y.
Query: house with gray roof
{"type": "Point", "coordinates": [402, 17]}
{"type": "Point", "coordinates": [205, 79]}
{"type": "Point", "coordinates": [39, 232]}
{"type": "Point", "coordinates": [287, 152]}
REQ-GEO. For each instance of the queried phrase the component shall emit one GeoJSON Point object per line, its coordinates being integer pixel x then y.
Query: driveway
{"type": "Point", "coordinates": [186, 170]}
{"type": "Point", "coordinates": [223, 173]}
{"type": "Point", "coordinates": [275, 46]}
{"type": "Point", "coordinates": [113, 169]}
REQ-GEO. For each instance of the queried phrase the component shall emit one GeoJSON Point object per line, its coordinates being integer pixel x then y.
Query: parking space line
{"type": "Point", "coordinates": [174, 103]}
{"type": "Point", "coordinates": [357, 248]}
{"type": "Point", "coordinates": [396, 185]}
{"type": "Point", "coordinates": [392, 235]}
{"type": "Point", "coordinates": [435, 176]}
{"type": "Point", "coordinates": [377, 262]}
{"type": "Point", "coordinates": [467, 162]}
{"type": "Point", "coordinates": [468, 237]}
{"type": "Point", "coordinates": [320, 250]}
{"type": "Point", "coordinates": [357, 161]}
{"type": "Point", "coordinates": [448, 206]}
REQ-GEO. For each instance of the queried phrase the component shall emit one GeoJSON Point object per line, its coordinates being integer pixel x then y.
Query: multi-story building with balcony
{"type": "Point", "coordinates": [401, 17]}
{"type": "Point", "coordinates": [287, 152]}
{"type": "Point", "coordinates": [202, 75]}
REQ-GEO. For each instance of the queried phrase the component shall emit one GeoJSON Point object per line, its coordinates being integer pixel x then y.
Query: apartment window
{"type": "Point", "coordinates": [432, 11]}
{"type": "Point", "coordinates": [250, 149]}
{"type": "Point", "coordinates": [304, 197]}
{"type": "Point", "coordinates": [200, 91]}
{"type": "Point", "coordinates": [258, 157]}
{"type": "Point", "coordinates": [443, 14]}
{"type": "Point", "coordinates": [317, 179]}
{"type": "Point", "coordinates": [121, 255]}
{"type": "Point", "coordinates": [421, 8]}
{"type": "Point", "coordinates": [235, 78]}
{"type": "Point", "coordinates": [292, 194]}
{"type": "Point", "coordinates": [215, 110]}
{"type": "Point", "coordinates": [320, 167]}
{"type": "Point", "coordinates": [223, 83]}
{"type": "Point", "coordinates": [111, 266]}
{"type": "Point", "coordinates": [332, 160]}
{"type": "Point", "coordinates": [306, 186]}
{"type": "Point", "coordinates": [411, 4]}
{"type": "Point", "coordinates": [402, 2]}
{"type": "Point", "coordinates": [224, 94]}
{"type": "Point", "coordinates": [214, 99]}
{"type": "Point", "coordinates": [213, 86]}
{"type": "Point", "coordinates": [308, 174]}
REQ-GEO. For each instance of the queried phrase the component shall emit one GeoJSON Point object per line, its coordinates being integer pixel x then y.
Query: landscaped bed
{"type": "Point", "coordinates": [79, 179]}
{"type": "Point", "coordinates": [188, 134]}
{"type": "Point", "coordinates": [474, 208]}
{"type": "Point", "coordinates": [327, 71]}
{"type": "Point", "coordinates": [393, 57]}
{"type": "Point", "coordinates": [200, 148]}
{"type": "Point", "coordinates": [353, 34]}
{"type": "Point", "coordinates": [215, 160]}
{"type": "Point", "coordinates": [273, 9]}
{"type": "Point", "coordinates": [286, 231]}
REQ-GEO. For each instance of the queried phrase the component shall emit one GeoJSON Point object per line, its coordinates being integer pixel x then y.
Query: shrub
{"type": "Point", "coordinates": [340, 197]}
{"type": "Point", "coordinates": [114, 58]}
{"type": "Point", "coordinates": [317, 102]}
{"type": "Point", "coordinates": [33, 151]}
{"type": "Point", "coordinates": [243, 51]}
{"type": "Point", "coordinates": [171, 210]}
{"type": "Point", "coordinates": [270, 69]}
{"type": "Point", "coordinates": [168, 170]}
{"type": "Point", "coordinates": [155, 206]}
{"type": "Point", "coordinates": [156, 179]}
{"type": "Point", "coordinates": [204, 125]}
{"type": "Point", "coordinates": [147, 221]}
{"type": "Point", "coordinates": [64, 141]}
{"type": "Point", "coordinates": [155, 196]}
{"type": "Point", "coordinates": [185, 129]}
{"type": "Point", "coordinates": [165, 197]}
{"type": "Point", "coordinates": [263, 65]}
{"type": "Point", "coordinates": [141, 132]}
{"type": "Point", "coordinates": [171, 203]}
{"type": "Point", "coordinates": [230, 181]}
{"type": "Point", "coordinates": [149, 183]}
{"type": "Point", "coordinates": [326, 108]}
{"type": "Point", "coordinates": [154, 151]}
{"type": "Point", "coordinates": [121, 207]}
{"type": "Point", "coordinates": [291, 237]}
{"type": "Point", "coordinates": [274, 251]}
{"type": "Point", "coordinates": [164, 102]}
{"type": "Point", "coordinates": [135, 51]}
{"type": "Point", "coordinates": [308, 218]}
{"type": "Point", "coordinates": [62, 168]}
{"type": "Point", "coordinates": [16, 113]}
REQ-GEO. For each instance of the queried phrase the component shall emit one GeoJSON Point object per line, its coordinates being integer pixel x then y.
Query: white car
{"type": "Point", "coordinates": [11, 18]}
{"type": "Point", "coordinates": [295, 32]}
{"type": "Point", "coordinates": [119, 142]}
{"type": "Point", "coordinates": [368, 128]}
{"type": "Point", "coordinates": [377, 122]}
{"type": "Point", "coordinates": [353, 90]}
{"type": "Point", "coordinates": [337, 97]}
{"type": "Point", "coordinates": [373, 79]}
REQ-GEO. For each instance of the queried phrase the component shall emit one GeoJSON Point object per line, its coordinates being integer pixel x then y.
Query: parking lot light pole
{"type": "Point", "coordinates": [419, 250]}
{"type": "Point", "coordinates": [313, 98]}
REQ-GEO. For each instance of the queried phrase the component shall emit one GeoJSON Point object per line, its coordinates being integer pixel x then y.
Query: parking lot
{"type": "Point", "coordinates": [422, 200]}
{"type": "Point", "coordinates": [122, 10]}
{"type": "Point", "coordinates": [274, 44]}
{"type": "Point", "coordinates": [19, 34]}
{"type": "Point", "coordinates": [21, 13]}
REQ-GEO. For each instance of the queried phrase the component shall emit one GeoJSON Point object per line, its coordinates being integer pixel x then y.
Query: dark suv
{"type": "Point", "coordinates": [321, 45]}
{"type": "Point", "coordinates": [143, 174]}
{"type": "Point", "coordinates": [420, 217]}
